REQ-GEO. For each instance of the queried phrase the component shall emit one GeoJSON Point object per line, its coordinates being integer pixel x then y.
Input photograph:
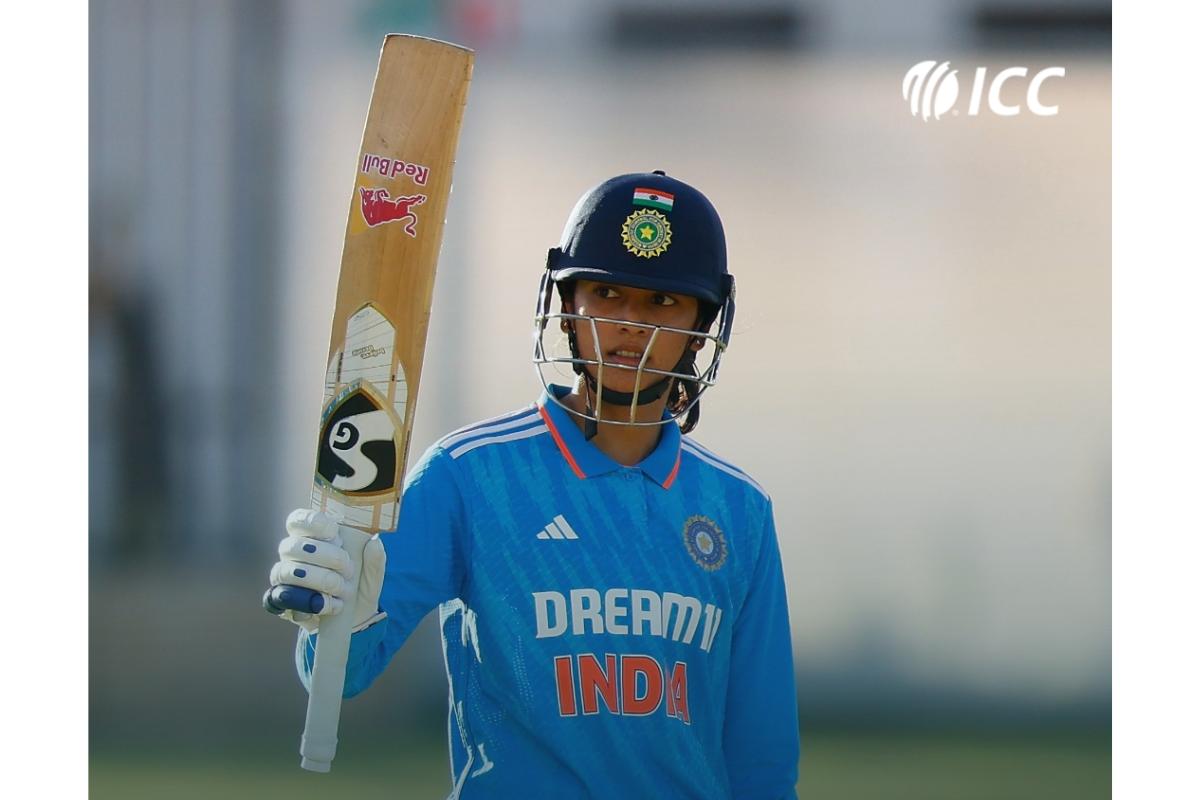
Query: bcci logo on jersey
{"type": "Point", "coordinates": [705, 543]}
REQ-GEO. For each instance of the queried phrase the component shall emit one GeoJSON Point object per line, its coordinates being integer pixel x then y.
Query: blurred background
{"type": "Point", "coordinates": [919, 375]}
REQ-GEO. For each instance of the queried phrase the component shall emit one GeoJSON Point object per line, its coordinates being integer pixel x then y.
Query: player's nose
{"type": "Point", "coordinates": [630, 324]}
{"type": "Point", "coordinates": [633, 320]}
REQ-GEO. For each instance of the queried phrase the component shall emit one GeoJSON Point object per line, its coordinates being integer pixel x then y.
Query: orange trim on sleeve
{"type": "Point", "coordinates": [558, 440]}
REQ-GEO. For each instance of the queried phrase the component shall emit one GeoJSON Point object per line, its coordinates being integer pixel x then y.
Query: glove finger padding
{"type": "Point", "coordinates": [329, 555]}
{"type": "Point", "coordinates": [312, 524]}
{"type": "Point", "coordinates": [310, 576]}
{"type": "Point", "coordinates": [300, 605]}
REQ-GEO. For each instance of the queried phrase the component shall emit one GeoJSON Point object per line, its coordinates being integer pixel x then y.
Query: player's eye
{"type": "Point", "coordinates": [663, 300]}
{"type": "Point", "coordinates": [606, 292]}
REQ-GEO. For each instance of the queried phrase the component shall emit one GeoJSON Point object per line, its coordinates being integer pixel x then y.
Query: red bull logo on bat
{"type": "Point", "coordinates": [379, 207]}
{"type": "Point", "coordinates": [394, 168]}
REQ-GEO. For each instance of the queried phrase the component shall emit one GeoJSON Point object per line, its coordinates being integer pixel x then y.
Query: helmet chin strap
{"type": "Point", "coordinates": [645, 397]}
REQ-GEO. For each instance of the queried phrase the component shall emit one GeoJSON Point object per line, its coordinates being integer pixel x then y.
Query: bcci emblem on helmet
{"type": "Point", "coordinates": [705, 543]}
{"type": "Point", "coordinates": [646, 233]}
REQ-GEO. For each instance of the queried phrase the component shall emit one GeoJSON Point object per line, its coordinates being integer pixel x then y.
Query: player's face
{"type": "Point", "coordinates": [627, 344]}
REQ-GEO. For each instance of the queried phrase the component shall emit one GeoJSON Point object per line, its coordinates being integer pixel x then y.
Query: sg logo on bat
{"type": "Point", "coordinates": [358, 450]}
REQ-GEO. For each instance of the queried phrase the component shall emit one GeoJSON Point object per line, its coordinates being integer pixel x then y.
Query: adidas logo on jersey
{"type": "Point", "coordinates": [558, 528]}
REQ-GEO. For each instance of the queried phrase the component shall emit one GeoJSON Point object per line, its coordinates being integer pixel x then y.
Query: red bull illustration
{"type": "Point", "coordinates": [378, 207]}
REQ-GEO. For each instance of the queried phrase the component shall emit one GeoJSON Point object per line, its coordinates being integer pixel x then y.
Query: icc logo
{"type": "Point", "coordinates": [931, 90]}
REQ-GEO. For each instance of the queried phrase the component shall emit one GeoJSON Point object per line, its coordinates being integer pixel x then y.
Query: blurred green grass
{"type": "Point", "coordinates": [362, 770]}
{"type": "Point", "coordinates": [846, 765]}
{"type": "Point", "coordinates": [1012, 765]}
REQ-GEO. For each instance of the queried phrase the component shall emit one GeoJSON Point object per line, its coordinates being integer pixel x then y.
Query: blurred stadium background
{"type": "Point", "coordinates": [920, 373]}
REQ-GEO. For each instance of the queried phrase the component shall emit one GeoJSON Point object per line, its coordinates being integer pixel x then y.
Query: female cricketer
{"type": "Point", "coordinates": [610, 592]}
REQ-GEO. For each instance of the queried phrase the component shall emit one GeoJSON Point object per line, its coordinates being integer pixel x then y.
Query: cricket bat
{"type": "Point", "coordinates": [380, 321]}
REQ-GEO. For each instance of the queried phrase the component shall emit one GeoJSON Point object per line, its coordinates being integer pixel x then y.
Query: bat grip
{"type": "Point", "coordinates": [319, 743]}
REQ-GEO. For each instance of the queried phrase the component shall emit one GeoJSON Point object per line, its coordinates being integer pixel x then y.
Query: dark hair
{"type": "Point", "coordinates": [682, 391]}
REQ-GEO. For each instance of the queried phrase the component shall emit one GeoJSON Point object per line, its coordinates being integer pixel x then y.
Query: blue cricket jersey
{"type": "Point", "coordinates": [609, 631]}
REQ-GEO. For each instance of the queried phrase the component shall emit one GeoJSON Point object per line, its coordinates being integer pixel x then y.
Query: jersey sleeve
{"type": "Point", "coordinates": [425, 567]}
{"type": "Point", "coordinates": [761, 738]}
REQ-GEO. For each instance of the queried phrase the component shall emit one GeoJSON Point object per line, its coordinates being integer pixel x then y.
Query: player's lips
{"type": "Point", "coordinates": [629, 358]}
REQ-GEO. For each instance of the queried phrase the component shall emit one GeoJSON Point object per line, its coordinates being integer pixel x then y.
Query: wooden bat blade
{"type": "Point", "coordinates": [381, 318]}
{"type": "Point", "coordinates": [393, 235]}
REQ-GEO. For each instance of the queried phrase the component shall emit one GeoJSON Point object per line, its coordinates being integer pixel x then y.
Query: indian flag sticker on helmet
{"type": "Point", "coordinates": [646, 233]}
{"type": "Point", "coordinates": [653, 198]}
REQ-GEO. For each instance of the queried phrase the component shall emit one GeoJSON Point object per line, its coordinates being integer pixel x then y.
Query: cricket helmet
{"type": "Point", "coordinates": [649, 231]}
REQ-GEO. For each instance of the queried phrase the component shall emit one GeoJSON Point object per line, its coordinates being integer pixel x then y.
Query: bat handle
{"type": "Point", "coordinates": [319, 743]}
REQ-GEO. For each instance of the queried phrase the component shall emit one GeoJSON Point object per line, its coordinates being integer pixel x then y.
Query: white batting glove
{"type": "Point", "coordinates": [314, 571]}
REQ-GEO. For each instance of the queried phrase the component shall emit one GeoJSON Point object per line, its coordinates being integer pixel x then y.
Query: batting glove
{"type": "Point", "coordinates": [314, 573]}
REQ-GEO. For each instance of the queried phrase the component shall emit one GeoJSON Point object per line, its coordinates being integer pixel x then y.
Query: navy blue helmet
{"type": "Point", "coordinates": [650, 231]}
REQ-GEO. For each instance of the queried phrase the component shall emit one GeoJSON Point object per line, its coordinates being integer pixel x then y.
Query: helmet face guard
{"type": "Point", "coordinates": [564, 351]}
